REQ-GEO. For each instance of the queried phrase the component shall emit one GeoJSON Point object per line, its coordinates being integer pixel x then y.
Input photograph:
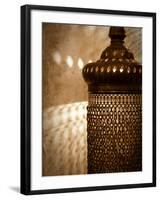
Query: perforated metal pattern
{"type": "Point", "coordinates": [114, 133]}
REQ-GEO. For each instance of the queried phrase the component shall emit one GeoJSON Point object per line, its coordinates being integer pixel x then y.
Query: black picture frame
{"type": "Point", "coordinates": [26, 98]}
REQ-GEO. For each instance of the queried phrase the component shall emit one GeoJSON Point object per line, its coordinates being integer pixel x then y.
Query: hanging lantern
{"type": "Point", "coordinates": [114, 112]}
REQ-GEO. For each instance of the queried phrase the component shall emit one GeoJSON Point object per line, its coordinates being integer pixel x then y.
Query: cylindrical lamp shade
{"type": "Point", "coordinates": [114, 112]}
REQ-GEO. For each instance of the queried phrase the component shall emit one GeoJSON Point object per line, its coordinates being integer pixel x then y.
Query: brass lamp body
{"type": "Point", "coordinates": [114, 112]}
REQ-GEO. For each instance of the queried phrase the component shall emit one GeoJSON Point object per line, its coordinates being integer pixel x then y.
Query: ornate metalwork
{"type": "Point", "coordinates": [114, 115]}
{"type": "Point", "coordinates": [114, 132]}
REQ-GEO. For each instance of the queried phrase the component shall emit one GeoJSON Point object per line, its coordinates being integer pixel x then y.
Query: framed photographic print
{"type": "Point", "coordinates": [88, 99]}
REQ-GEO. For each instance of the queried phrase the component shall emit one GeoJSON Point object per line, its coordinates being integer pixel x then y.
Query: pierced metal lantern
{"type": "Point", "coordinates": [114, 112]}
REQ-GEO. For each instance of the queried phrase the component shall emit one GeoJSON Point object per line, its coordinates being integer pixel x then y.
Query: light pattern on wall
{"type": "Point", "coordinates": [65, 139]}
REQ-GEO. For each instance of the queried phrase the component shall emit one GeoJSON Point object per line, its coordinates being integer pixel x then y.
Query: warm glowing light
{"type": "Point", "coordinates": [57, 57]}
{"type": "Point", "coordinates": [114, 69]}
{"type": "Point", "coordinates": [121, 69]}
{"type": "Point", "coordinates": [69, 61]}
{"type": "Point", "coordinates": [89, 61]}
{"type": "Point", "coordinates": [80, 63]}
{"type": "Point", "coordinates": [128, 70]}
{"type": "Point", "coordinates": [65, 139]}
{"type": "Point", "coordinates": [102, 69]}
{"type": "Point", "coordinates": [108, 69]}
{"type": "Point", "coordinates": [67, 113]}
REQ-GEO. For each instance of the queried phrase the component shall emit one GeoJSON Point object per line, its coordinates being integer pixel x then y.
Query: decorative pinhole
{"type": "Point", "coordinates": [121, 69]}
{"type": "Point", "coordinates": [108, 69]}
{"type": "Point", "coordinates": [134, 70]}
{"type": "Point", "coordinates": [128, 69]}
{"type": "Point", "coordinates": [114, 69]}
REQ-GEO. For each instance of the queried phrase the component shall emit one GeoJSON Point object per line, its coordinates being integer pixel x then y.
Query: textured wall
{"type": "Point", "coordinates": [66, 48]}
